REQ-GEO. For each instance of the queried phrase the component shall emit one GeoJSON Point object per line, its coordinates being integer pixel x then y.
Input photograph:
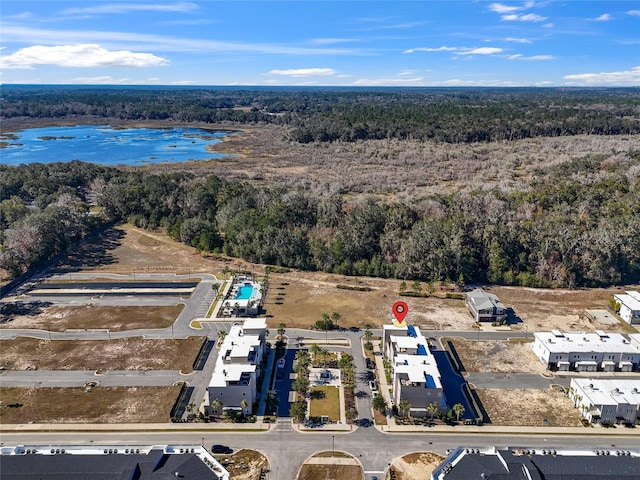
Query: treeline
{"type": "Point", "coordinates": [333, 114]}
{"type": "Point", "coordinates": [577, 226]}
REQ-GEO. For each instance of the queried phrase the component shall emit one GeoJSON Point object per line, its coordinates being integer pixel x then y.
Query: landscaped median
{"type": "Point", "coordinates": [331, 464]}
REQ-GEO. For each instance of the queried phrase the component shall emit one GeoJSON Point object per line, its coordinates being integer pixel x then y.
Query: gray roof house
{"type": "Point", "coordinates": [485, 307]}
{"type": "Point", "coordinates": [538, 464]}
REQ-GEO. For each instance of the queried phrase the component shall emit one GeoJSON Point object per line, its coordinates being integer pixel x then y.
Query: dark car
{"type": "Point", "coordinates": [354, 329]}
{"type": "Point", "coordinates": [365, 422]}
{"type": "Point", "coordinates": [369, 363]}
{"type": "Point", "coordinates": [221, 449]}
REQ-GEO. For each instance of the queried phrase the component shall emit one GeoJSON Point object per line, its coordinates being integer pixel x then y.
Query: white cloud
{"type": "Point", "coordinates": [501, 8]}
{"type": "Point", "coordinates": [304, 72]}
{"type": "Point", "coordinates": [519, 17]}
{"type": "Point", "coordinates": [532, 58]}
{"type": "Point", "coordinates": [405, 73]}
{"type": "Point", "coordinates": [80, 55]}
{"type": "Point", "coordinates": [480, 51]}
{"type": "Point", "coordinates": [517, 40]}
{"type": "Point", "coordinates": [417, 81]}
{"type": "Point", "coordinates": [634, 13]}
{"type": "Point", "coordinates": [130, 7]}
{"type": "Point", "coordinates": [426, 49]}
{"type": "Point", "coordinates": [605, 17]}
{"type": "Point", "coordinates": [101, 80]}
{"type": "Point", "coordinates": [12, 33]}
{"type": "Point", "coordinates": [624, 78]}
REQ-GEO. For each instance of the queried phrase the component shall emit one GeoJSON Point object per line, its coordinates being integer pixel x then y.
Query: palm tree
{"type": "Point", "coordinates": [217, 405]}
{"type": "Point", "coordinates": [315, 350]}
{"type": "Point", "coordinates": [281, 330]}
{"type": "Point", "coordinates": [272, 400]}
{"type": "Point", "coordinates": [298, 410]}
{"type": "Point", "coordinates": [244, 406]}
{"type": "Point", "coordinates": [324, 353]}
{"type": "Point", "coordinates": [432, 409]}
{"type": "Point", "coordinates": [335, 318]}
{"type": "Point", "coordinates": [380, 404]}
{"type": "Point", "coordinates": [404, 406]}
{"type": "Point", "coordinates": [458, 409]}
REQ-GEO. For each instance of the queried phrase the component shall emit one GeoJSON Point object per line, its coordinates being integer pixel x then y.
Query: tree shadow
{"type": "Point", "coordinates": [94, 251]}
{"type": "Point", "coordinates": [9, 310]}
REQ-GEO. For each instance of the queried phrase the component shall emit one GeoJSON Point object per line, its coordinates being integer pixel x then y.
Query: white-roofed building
{"type": "Point", "coordinates": [416, 377]}
{"type": "Point", "coordinates": [629, 307]}
{"type": "Point", "coordinates": [586, 352]}
{"type": "Point", "coordinates": [237, 371]}
{"type": "Point", "coordinates": [607, 401]}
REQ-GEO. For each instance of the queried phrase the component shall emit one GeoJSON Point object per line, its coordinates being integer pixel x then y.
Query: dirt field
{"type": "Point", "coordinates": [59, 319]}
{"type": "Point", "coordinates": [546, 309]}
{"type": "Point", "coordinates": [497, 356]}
{"type": "Point", "coordinates": [416, 466]}
{"type": "Point", "coordinates": [247, 464]}
{"type": "Point", "coordinates": [521, 407]}
{"type": "Point", "coordinates": [119, 354]}
{"type": "Point", "coordinates": [76, 405]}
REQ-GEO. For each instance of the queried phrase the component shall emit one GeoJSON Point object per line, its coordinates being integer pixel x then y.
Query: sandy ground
{"type": "Point", "coordinates": [521, 407]}
{"type": "Point", "coordinates": [247, 464]}
{"type": "Point", "coordinates": [119, 354]}
{"type": "Point", "coordinates": [416, 466]}
{"type": "Point", "coordinates": [497, 356]}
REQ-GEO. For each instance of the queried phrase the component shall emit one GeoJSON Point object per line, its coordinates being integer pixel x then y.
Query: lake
{"type": "Point", "coordinates": [106, 145]}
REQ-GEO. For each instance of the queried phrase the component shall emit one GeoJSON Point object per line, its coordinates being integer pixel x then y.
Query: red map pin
{"type": "Point", "coordinates": [400, 310]}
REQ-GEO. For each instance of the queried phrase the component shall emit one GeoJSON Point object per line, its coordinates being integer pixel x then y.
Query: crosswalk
{"type": "Point", "coordinates": [284, 424]}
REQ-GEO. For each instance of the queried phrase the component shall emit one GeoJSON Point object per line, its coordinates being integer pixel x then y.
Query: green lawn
{"type": "Point", "coordinates": [325, 401]}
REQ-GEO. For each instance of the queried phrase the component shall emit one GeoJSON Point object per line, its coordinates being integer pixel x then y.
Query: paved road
{"type": "Point", "coordinates": [78, 378]}
{"type": "Point", "coordinates": [287, 449]}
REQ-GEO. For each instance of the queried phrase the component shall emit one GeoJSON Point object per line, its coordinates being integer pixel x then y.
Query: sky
{"type": "Point", "coordinates": [321, 43]}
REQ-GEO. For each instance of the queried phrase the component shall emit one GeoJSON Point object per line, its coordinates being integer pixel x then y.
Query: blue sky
{"type": "Point", "coordinates": [350, 43]}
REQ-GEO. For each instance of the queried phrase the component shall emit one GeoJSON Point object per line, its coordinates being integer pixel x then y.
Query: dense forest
{"type": "Point", "coordinates": [576, 224]}
{"type": "Point", "coordinates": [326, 115]}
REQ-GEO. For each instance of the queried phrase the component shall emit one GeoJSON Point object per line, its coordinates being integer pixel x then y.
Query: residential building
{"type": "Point", "coordinates": [536, 464]}
{"type": "Point", "coordinates": [629, 307]}
{"type": "Point", "coordinates": [608, 401]}
{"type": "Point", "coordinates": [486, 307]}
{"type": "Point", "coordinates": [237, 371]}
{"type": "Point", "coordinates": [158, 462]}
{"type": "Point", "coordinates": [416, 377]}
{"type": "Point", "coordinates": [635, 339]}
{"type": "Point", "coordinates": [586, 352]}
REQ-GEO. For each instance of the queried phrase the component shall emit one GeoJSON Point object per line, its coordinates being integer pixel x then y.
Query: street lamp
{"type": "Point", "coordinates": [333, 440]}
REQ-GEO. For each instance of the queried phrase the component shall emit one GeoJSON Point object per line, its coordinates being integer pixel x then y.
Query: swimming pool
{"type": "Point", "coordinates": [244, 292]}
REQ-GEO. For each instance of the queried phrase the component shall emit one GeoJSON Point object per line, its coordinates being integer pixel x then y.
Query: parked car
{"type": "Point", "coordinates": [364, 422]}
{"type": "Point", "coordinates": [373, 385]}
{"type": "Point", "coordinates": [354, 329]}
{"type": "Point", "coordinates": [369, 363]}
{"type": "Point", "coordinates": [221, 449]}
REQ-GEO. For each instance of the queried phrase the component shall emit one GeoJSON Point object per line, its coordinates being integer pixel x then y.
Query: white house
{"type": "Point", "coordinates": [485, 307]}
{"type": "Point", "coordinates": [608, 401]}
{"type": "Point", "coordinates": [237, 371]}
{"type": "Point", "coordinates": [629, 307]}
{"type": "Point", "coordinates": [586, 352]}
{"type": "Point", "coordinates": [416, 377]}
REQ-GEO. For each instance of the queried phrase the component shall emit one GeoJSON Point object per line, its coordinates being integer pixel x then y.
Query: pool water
{"type": "Point", "coordinates": [244, 292]}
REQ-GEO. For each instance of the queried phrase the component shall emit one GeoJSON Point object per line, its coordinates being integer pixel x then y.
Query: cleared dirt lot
{"type": "Point", "coordinates": [546, 309]}
{"type": "Point", "coordinates": [58, 319]}
{"type": "Point", "coordinates": [520, 407]}
{"type": "Point", "coordinates": [76, 405]}
{"type": "Point", "coordinates": [118, 354]}
{"type": "Point", "coordinates": [416, 466]}
{"type": "Point", "coordinates": [500, 356]}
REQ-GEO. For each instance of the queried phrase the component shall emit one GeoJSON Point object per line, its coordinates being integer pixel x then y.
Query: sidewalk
{"type": "Point", "coordinates": [383, 386]}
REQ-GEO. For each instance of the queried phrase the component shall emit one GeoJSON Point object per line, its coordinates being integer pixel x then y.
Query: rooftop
{"type": "Point", "coordinates": [609, 391]}
{"type": "Point", "coordinates": [536, 464]}
{"type": "Point", "coordinates": [102, 463]}
{"type": "Point", "coordinates": [558, 342]}
{"type": "Point", "coordinates": [629, 299]}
